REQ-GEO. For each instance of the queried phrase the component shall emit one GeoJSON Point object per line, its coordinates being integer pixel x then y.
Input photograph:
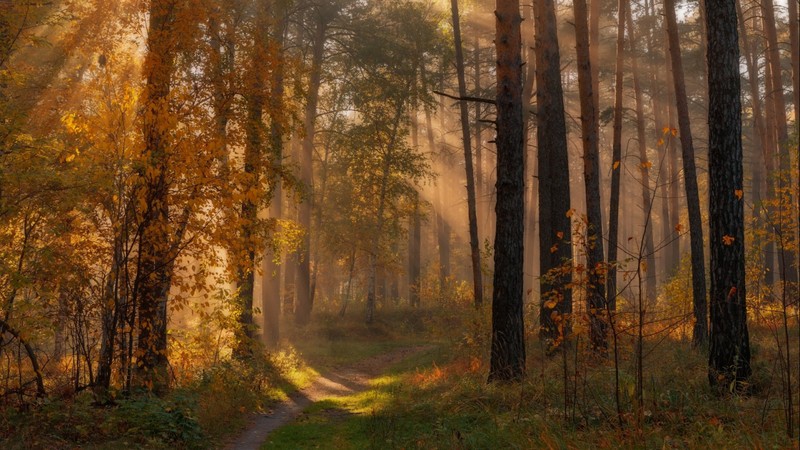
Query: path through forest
{"type": "Point", "coordinates": [336, 382]}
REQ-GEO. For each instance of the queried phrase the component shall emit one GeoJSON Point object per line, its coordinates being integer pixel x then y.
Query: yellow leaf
{"type": "Point", "coordinates": [550, 304]}
{"type": "Point", "coordinates": [679, 228]}
{"type": "Point", "coordinates": [665, 130]}
{"type": "Point", "coordinates": [728, 239]}
{"type": "Point", "coordinates": [674, 131]}
{"type": "Point", "coordinates": [554, 248]}
{"type": "Point", "coordinates": [616, 165]}
{"type": "Point", "coordinates": [739, 193]}
{"type": "Point", "coordinates": [661, 142]}
{"type": "Point", "coordinates": [70, 157]}
{"type": "Point", "coordinates": [571, 212]}
{"type": "Point", "coordinates": [643, 266]}
{"type": "Point", "coordinates": [560, 235]}
{"type": "Point", "coordinates": [647, 165]}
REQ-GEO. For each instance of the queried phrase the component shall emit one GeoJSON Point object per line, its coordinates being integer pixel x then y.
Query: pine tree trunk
{"type": "Point", "coordinates": [729, 355]}
{"type": "Point", "coordinates": [616, 161]}
{"type": "Point", "coordinates": [508, 330]}
{"type": "Point", "coordinates": [554, 200]}
{"type": "Point", "coordinates": [596, 290]}
{"type": "Point", "coordinates": [700, 330]}
{"type": "Point", "coordinates": [648, 249]}
{"type": "Point", "coordinates": [474, 244]}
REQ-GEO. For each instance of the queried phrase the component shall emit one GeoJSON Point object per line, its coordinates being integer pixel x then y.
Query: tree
{"type": "Point", "coordinates": [474, 244]}
{"type": "Point", "coordinates": [508, 329]}
{"type": "Point", "coordinates": [729, 353]}
{"type": "Point", "coordinates": [616, 160]}
{"type": "Point", "coordinates": [596, 304]}
{"type": "Point", "coordinates": [700, 330]}
{"type": "Point", "coordinates": [554, 200]}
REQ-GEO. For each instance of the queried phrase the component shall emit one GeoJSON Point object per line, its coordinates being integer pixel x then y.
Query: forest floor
{"type": "Point", "coordinates": [332, 384]}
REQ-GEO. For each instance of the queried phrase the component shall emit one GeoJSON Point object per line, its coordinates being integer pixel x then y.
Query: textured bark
{"type": "Point", "coordinates": [554, 201]}
{"type": "Point", "coordinates": [729, 355]}
{"type": "Point", "coordinates": [700, 330]}
{"type": "Point", "coordinates": [474, 243]}
{"type": "Point", "coordinates": [527, 30]}
{"type": "Point", "coordinates": [303, 286]}
{"type": "Point", "coordinates": [616, 160]}
{"type": "Point", "coordinates": [508, 330]}
{"type": "Point", "coordinates": [596, 290]}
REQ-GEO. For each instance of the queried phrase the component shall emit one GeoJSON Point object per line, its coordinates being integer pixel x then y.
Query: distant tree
{"type": "Point", "coordinates": [508, 330]}
{"type": "Point", "coordinates": [729, 355]}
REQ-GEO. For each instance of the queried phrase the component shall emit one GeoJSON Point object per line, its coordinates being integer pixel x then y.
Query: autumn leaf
{"type": "Point", "coordinates": [728, 239]}
{"type": "Point", "coordinates": [665, 130]}
{"type": "Point", "coordinates": [679, 228]}
{"type": "Point", "coordinates": [616, 165]}
{"type": "Point", "coordinates": [674, 131]}
{"type": "Point", "coordinates": [660, 142]}
{"type": "Point", "coordinates": [647, 165]}
{"type": "Point", "coordinates": [739, 194]}
{"type": "Point", "coordinates": [560, 235]}
{"type": "Point", "coordinates": [571, 212]}
{"type": "Point", "coordinates": [554, 248]}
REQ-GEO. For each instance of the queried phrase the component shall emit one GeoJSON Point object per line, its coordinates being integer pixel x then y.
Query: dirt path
{"type": "Point", "coordinates": [337, 382]}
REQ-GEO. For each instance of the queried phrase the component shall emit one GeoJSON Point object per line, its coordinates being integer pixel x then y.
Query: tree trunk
{"type": "Point", "coordinates": [303, 286]}
{"type": "Point", "coordinates": [729, 355]}
{"type": "Point", "coordinates": [763, 141]}
{"type": "Point", "coordinates": [700, 330]}
{"type": "Point", "coordinates": [616, 161]}
{"type": "Point", "coordinates": [474, 244]}
{"type": "Point", "coordinates": [528, 32]}
{"type": "Point", "coordinates": [596, 291]}
{"type": "Point", "coordinates": [443, 226]}
{"type": "Point", "coordinates": [271, 281]}
{"type": "Point", "coordinates": [786, 259]}
{"type": "Point", "coordinates": [674, 247]}
{"type": "Point", "coordinates": [554, 200]}
{"type": "Point", "coordinates": [154, 250]}
{"type": "Point", "coordinates": [648, 249]}
{"type": "Point", "coordinates": [508, 329]}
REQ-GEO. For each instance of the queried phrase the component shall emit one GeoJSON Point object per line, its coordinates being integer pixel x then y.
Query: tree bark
{"type": "Point", "coordinates": [508, 329]}
{"type": "Point", "coordinates": [596, 291]}
{"type": "Point", "coordinates": [729, 355]}
{"type": "Point", "coordinates": [474, 244]}
{"type": "Point", "coordinates": [554, 200]}
{"type": "Point", "coordinates": [616, 161]}
{"type": "Point", "coordinates": [700, 330]}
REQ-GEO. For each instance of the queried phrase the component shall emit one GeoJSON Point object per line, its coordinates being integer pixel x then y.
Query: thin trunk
{"type": "Point", "coordinates": [596, 291]}
{"type": "Point", "coordinates": [554, 200]}
{"type": "Point", "coordinates": [508, 329]}
{"type": "Point", "coordinates": [786, 259]}
{"type": "Point", "coordinates": [616, 160]}
{"type": "Point", "coordinates": [303, 286]}
{"type": "Point", "coordinates": [443, 228]}
{"type": "Point", "coordinates": [474, 244]}
{"type": "Point", "coordinates": [271, 285]}
{"type": "Point", "coordinates": [700, 330]}
{"type": "Point", "coordinates": [530, 162]}
{"type": "Point", "coordinates": [480, 207]}
{"type": "Point", "coordinates": [649, 270]}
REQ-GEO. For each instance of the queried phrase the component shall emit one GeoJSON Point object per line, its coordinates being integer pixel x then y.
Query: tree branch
{"type": "Point", "coordinates": [466, 98]}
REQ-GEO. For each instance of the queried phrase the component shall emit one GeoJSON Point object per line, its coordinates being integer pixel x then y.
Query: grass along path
{"type": "Point", "coordinates": [332, 385]}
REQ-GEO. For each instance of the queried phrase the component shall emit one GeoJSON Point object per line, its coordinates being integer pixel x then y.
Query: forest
{"type": "Point", "coordinates": [347, 224]}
